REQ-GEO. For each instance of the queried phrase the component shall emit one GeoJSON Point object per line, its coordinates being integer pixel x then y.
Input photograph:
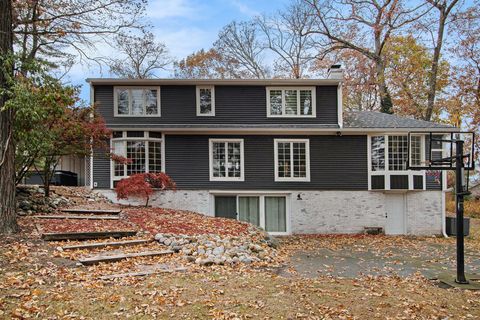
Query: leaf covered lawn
{"type": "Point", "coordinates": [159, 220]}
{"type": "Point", "coordinates": [71, 225]}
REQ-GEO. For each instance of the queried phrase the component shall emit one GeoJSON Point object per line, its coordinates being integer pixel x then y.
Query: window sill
{"type": "Point", "coordinates": [291, 116]}
{"type": "Point", "coordinates": [227, 179]}
{"type": "Point", "coordinates": [292, 179]}
{"type": "Point", "coordinates": [136, 116]}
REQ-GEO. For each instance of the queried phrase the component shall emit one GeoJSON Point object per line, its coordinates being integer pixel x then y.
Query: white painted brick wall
{"type": "Point", "coordinates": [325, 211]}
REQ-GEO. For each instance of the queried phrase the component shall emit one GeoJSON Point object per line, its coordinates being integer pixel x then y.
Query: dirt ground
{"type": "Point", "coordinates": [37, 283]}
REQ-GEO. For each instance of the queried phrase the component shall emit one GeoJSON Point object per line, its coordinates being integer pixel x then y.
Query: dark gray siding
{"type": "Point", "coordinates": [101, 169]}
{"type": "Point", "coordinates": [336, 163]}
{"type": "Point", "coordinates": [233, 105]}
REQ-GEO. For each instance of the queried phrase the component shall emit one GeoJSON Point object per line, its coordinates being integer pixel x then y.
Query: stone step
{"type": "Point", "coordinates": [92, 211]}
{"type": "Point", "coordinates": [87, 235]}
{"type": "Point", "coordinates": [95, 217]}
{"type": "Point", "coordinates": [106, 244]}
{"type": "Point", "coordinates": [91, 260]}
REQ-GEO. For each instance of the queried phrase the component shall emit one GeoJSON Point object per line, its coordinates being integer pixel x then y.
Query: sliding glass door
{"type": "Point", "coordinates": [266, 211]}
{"type": "Point", "coordinates": [226, 207]}
{"type": "Point", "coordinates": [249, 209]}
{"type": "Point", "coordinates": [275, 214]}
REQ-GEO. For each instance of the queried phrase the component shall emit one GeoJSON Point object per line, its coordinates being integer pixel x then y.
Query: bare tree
{"type": "Point", "coordinates": [8, 222]}
{"type": "Point", "coordinates": [287, 35]}
{"type": "Point", "coordinates": [45, 29]}
{"type": "Point", "coordinates": [364, 26]}
{"type": "Point", "coordinates": [444, 9]}
{"type": "Point", "coordinates": [140, 56]}
{"type": "Point", "coordinates": [240, 42]}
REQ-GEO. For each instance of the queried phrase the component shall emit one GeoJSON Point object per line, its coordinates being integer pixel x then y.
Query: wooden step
{"type": "Point", "coordinates": [87, 235]}
{"type": "Point", "coordinates": [141, 273]}
{"type": "Point", "coordinates": [87, 261]}
{"type": "Point", "coordinates": [106, 244]}
{"type": "Point", "coordinates": [96, 217]}
{"type": "Point", "coordinates": [92, 211]}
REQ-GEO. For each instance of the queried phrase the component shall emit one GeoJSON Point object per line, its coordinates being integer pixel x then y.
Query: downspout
{"type": "Point", "coordinates": [444, 218]}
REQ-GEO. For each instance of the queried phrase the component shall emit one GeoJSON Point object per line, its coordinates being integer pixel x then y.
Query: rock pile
{"type": "Point", "coordinates": [208, 249]}
{"type": "Point", "coordinates": [31, 200]}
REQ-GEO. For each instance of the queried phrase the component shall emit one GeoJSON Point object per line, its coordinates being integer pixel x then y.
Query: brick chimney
{"type": "Point", "coordinates": [335, 72]}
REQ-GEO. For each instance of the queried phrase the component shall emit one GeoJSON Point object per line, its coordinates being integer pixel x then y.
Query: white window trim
{"type": "Point", "coordinates": [387, 172]}
{"type": "Point", "coordinates": [124, 139]}
{"type": "Point", "coordinates": [211, 114]}
{"type": "Point", "coordinates": [298, 115]}
{"type": "Point", "coordinates": [261, 195]}
{"type": "Point", "coordinates": [210, 160]}
{"type": "Point", "coordinates": [129, 115]}
{"type": "Point", "coordinates": [307, 160]}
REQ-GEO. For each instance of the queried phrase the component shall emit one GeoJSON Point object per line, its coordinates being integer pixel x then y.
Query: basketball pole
{"type": "Point", "coordinates": [459, 170]}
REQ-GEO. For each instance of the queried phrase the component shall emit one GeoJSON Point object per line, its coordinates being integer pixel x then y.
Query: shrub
{"type": "Point", "coordinates": [142, 185]}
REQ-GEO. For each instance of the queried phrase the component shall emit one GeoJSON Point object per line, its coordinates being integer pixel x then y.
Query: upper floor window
{"type": "Point", "coordinates": [206, 101]}
{"type": "Point", "coordinates": [291, 102]}
{"type": "Point", "coordinates": [292, 160]}
{"type": "Point", "coordinates": [226, 160]}
{"type": "Point", "coordinates": [137, 101]}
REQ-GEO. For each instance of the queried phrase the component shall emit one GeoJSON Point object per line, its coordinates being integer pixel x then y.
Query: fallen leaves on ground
{"type": "Point", "coordinates": [73, 225]}
{"type": "Point", "coordinates": [159, 220]}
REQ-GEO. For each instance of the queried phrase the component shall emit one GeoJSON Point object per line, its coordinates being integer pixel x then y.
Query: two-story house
{"type": "Point", "coordinates": [281, 154]}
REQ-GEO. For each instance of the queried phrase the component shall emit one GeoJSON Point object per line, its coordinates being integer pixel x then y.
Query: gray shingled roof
{"type": "Point", "coordinates": [372, 119]}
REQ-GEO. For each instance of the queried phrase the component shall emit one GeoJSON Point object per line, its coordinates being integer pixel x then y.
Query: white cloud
{"type": "Point", "coordinates": [183, 41]}
{"type": "Point", "coordinates": [161, 9]}
{"type": "Point", "coordinates": [243, 8]}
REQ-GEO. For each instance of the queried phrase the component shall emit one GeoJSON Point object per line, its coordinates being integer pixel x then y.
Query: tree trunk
{"type": "Point", "coordinates": [8, 218]}
{"type": "Point", "coordinates": [386, 104]}
{"type": "Point", "coordinates": [432, 79]}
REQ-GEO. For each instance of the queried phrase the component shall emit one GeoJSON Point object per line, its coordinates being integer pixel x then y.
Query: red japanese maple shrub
{"type": "Point", "coordinates": [142, 185]}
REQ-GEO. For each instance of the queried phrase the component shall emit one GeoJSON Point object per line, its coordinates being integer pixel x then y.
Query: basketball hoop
{"type": "Point", "coordinates": [444, 151]}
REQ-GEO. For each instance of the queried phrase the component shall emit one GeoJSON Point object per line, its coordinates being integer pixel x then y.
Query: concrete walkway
{"type": "Point", "coordinates": [432, 260]}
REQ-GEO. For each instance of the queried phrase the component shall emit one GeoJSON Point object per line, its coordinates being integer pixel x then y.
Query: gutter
{"type": "Point", "coordinates": [257, 82]}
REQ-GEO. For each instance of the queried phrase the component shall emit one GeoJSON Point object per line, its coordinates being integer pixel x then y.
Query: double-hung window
{"type": "Point", "coordinates": [205, 101]}
{"type": "Point", "coordinates": [294, 102]}
{"type": "Point", "coordinates": [137, 101]}
{"type": "Point", "coordinates": [292, 160]}
{"type": "Point", "coordinates": [142, 151]}
{"type": "Point", "coordinates": [226, 160]}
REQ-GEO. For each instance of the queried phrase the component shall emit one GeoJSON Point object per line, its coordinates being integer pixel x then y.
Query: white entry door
{"type": "Point", "coordinates": [395, 208]}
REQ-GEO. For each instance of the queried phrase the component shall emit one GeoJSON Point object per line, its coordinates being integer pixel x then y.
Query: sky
{"type": "Point", "coordinates": [184, 26]}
